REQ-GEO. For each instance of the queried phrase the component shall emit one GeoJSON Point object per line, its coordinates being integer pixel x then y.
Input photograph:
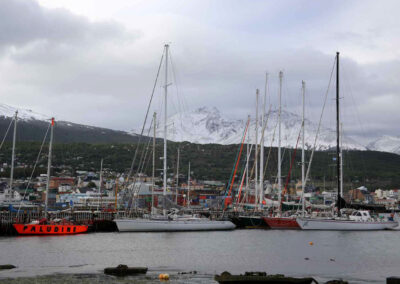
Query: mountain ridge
{"type": "Point", "coordinates": [207, 125]}
{"type": "Point", "coordinates": [32, 126]}
{"type": "Point", "coordinates": [204, 125]}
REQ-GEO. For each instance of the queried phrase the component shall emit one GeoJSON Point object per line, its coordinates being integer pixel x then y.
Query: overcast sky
{"type": "Point", "coordinates": [94, 61]}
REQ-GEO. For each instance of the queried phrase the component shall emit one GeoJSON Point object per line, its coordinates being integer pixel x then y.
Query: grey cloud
{"type": "Point", "coordinates": [90, 72]}
{"type": "Point", "coordinates": [24, 21]}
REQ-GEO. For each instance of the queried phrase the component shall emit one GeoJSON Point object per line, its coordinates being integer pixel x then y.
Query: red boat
{"type": "Point", "coordinates": [42, 228]}
{"type": "Point", "coordinates": [281, 222]}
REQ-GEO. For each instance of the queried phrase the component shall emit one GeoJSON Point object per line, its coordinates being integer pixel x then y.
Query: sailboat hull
{"type": "Point", "coordinates": [249, 222]}
{"type": "Point", "coordinates": [148, 225]}
{"type": "Point", "coordinates": [343, 225]}
{"type": "Point", "coordinates": [282, 223]}
{"type": "Point", "coordinates": [34, 229]}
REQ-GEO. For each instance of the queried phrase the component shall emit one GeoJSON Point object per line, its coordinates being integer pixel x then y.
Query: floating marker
{"type": "Point", "coordinates": [163, 276]}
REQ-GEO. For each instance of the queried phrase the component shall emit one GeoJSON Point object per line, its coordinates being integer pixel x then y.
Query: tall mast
{"type": "Point", "coordinates": [261, 189]}
{"type": "Point", "coordinates": [256, 152]}
{"type": "Point", "coordinates": [154, 161]}
{"type": "Point", "coordinates": [177, 177]}
{"type": "Point", "coordinates": [188, 188]}
{"type": "Point", "coordinates": [247, 161]}
{"type": "Point", "coordinates": [165, 128]}
{"type": "Point", "coordinates": [279, 141]}
{"type": "Point", "coordinates": [101, 183]}
{"type": "Point", "coordinates": [13, 153]}
{"type": "Point", "coordinates": [338, 158]}
{"type": "Point", "coordinates": [49, 166]}
{"type": "Point", "coordinates": [303, 88]}
{"type": "Point", "coordinates": [341, 159]}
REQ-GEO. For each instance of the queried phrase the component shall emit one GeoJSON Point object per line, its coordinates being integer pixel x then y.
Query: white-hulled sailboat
{"type": "Point", "coordinates": [171, 222]}
{"type": "Point", "coordinates": [359, 220]}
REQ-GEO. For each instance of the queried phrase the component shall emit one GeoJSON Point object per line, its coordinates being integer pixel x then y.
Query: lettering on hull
{"type": "Point", "coordinates": [49, 229]}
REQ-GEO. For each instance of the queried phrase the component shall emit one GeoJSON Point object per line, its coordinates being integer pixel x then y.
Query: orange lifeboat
{"type": "Point", "coordinates": [50, 229]}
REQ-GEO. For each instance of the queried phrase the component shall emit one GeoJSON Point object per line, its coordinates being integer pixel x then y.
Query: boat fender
{"type": "Point", "coordinates": [163, 276]}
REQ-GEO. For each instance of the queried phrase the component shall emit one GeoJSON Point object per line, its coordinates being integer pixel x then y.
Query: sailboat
{"type": "Point", "coordinates": [43, 226]}
{"type": "Point", "coordinates": [280, 222]}
{"type": "Point", "coordinates": [172, 221]}
{"type": "Point", "coordinates": [10, 197]}
{"type": "Point", "coordinates": [359, 220]}
{"type": "Point", "coordinates": [252, 221]}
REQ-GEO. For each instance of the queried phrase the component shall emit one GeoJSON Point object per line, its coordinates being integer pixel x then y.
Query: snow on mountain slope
{"type": "Point", "coordinates": [207, 125]}
{"type": "Point", "coordinates": [33, 125]}
{"type": "Point", "coordinates": [204, 125]}
{"type": "Point", "coordinates": [386, 143]}
{"type": "Point", "coordinates": [23, 114]}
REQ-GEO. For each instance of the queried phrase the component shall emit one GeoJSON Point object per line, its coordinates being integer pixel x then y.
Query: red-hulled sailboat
{"type": "Point", "coordinates": [43, 226]}
{"type": "Point", "coordinates": [50, 228]}
{"type": "Point", "coordinates": [280, 222]}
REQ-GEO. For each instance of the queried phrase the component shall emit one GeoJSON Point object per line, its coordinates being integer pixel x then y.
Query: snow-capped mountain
{"type": "Point", "coordinates": [23, 114]}
{"type": "Point", "coordinates": [33, 125]}
{"type": "Point", "coordinates": [386, 143]}
{"type": "Point", "coordinates": [207, 125]}
{"type": "Point", "coordinates": [204, 125]}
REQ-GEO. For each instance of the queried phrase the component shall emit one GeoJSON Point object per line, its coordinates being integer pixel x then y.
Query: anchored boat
{"type": "Point", "coordinates": [44, 228]}
{"type": "Point", "coordinates": [249, 222]}
{"type": "Point", "coordinates": [171, 222]}
{"type": "Point", "coordinates": [281, 222]}
{"type": "Point", "coordinates": [55, 227]}
{"type": "Point", "coordinates": [172, 225]}
{"type": "Point", "coordinates": [359, 220]}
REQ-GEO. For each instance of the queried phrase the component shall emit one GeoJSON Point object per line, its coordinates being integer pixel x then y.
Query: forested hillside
{"type": "Point", "coordinates": [209, 162]}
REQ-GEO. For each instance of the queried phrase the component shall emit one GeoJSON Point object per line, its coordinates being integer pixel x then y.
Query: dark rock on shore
{"type": "Point", "coordinates": [124, 270]}
{"type": "Point", "coordinates": [7, 266]}
{"type": "Point", "coordinates": [393, 280]}
{"type": "Point", "coordinates": [260, 277]}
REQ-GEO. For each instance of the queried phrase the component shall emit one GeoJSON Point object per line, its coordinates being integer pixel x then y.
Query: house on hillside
{"type": "Point", "coordinates": [360, 194]}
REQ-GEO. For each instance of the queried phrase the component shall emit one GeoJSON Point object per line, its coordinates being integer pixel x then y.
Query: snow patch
{"type": "Point", "coordinates": [208, 125]}
{"type": "Point", "coordinates": [23, 114]}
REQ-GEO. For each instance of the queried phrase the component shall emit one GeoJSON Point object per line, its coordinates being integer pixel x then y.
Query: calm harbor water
{"type": "Point", "coordinates": [358, 257]}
